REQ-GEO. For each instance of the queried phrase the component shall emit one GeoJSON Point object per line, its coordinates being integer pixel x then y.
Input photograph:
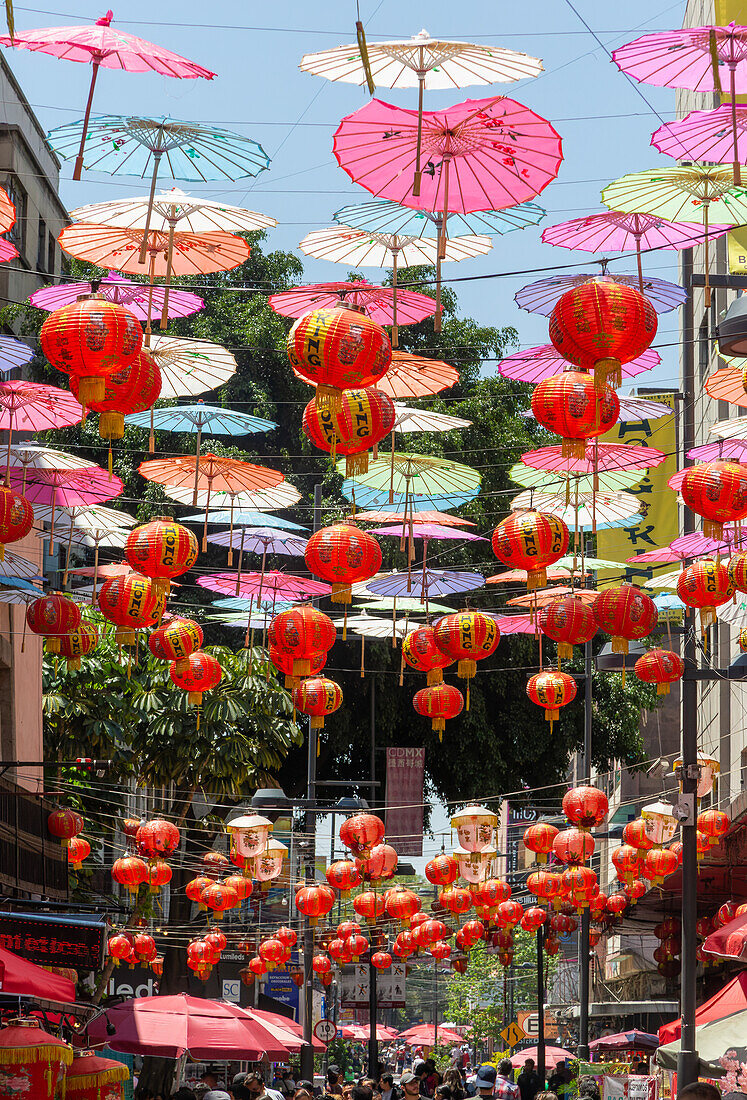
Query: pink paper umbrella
{"type": "Point", "coordinates": [516, 624]}
{"type": "Point", "coordinates": [483, 154]}
{"type": "Point", "coordinates": [115, 288]}
{"type": "Point", "coordinates": [377, 302]}
{"type": "Point", "coordinates": [64, 488]}
{"type": "Point", "coordinates": [723, 450]}
{"type": "Point", "coordinates": [599, 458]}
{"type": "Point", "coordinates": [101, 46]}
{"type": "Point", "coordinates": [612, 231]}
{"type": "Point", "coordinates": [692, 58]}
{"type": "Point", "coordinates": [541, 297]}
{"type": "Point", "coordinates": [715, 136]}
{"type": "Point", "coordinates": [535, 364]}
{"type": "Point", "coordinates": [31, 407]}
{"type": "Point", "coordinates": [275, 585]}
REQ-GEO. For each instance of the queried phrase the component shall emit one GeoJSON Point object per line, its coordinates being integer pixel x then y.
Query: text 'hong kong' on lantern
{"type": "Point", "coordinates": [318, 697]}
{"type": "Point", "coordinates": [467, 637]}
{"type": "Point", "coordinates": [532, 541]}
{"type": "Point", "coordinates": [161, 550]}
{"type": "Point", "coordinates": [131, 603]}
{"type": "Point", "coordinates": [365, 417]}
{"type": "Point", "coordinates": [551, 690]}
{"type": "Point", "coordinates": [338, 349]}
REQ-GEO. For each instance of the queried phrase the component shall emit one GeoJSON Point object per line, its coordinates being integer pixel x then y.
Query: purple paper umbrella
{"type": "Point", "coordinates": [535, 364]}
{"type": "Point", "coordinates": [542, 296]}
{"type": "Point", "coordinates": [722, 450]}
{"type": "Point", "coordinates": [136, 297]}
{"type": "Point", "coordinates": [427, 532]}
{"type": "Point", "coordinates": [426, 585]}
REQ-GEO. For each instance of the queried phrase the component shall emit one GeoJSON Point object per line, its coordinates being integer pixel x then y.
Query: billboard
{"type": "Point", "coordinates": [405, 769]}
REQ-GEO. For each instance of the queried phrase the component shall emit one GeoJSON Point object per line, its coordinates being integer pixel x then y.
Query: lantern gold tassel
{"type": "Point", "coordinates": [329, 397]}
{"type": "Point", "coordinates": [607, 371]}
{"type": "Point", "coordinates": [356, 464]}
{"type": "Point", "coordinates": [573, 448]}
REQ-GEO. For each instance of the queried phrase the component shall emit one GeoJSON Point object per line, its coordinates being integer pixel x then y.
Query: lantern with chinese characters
{"type": "Point", "coordinates": [119, 946]}
{"type": "Point", "coordinates": [365, 416]}
{"type": "Point", "coordinates": [249, 835]}
{"type": "Point", "coordinates": [203, 673]}
{"type": "Point", "coordinates": [531, 541]}
{"type": "Point", "coordinates": [661, 667]}
{"type": "Point", "coordinates": [196, 887]}
{"type": "Point", "coordinates": [318, 697]}
{"type": "Point", "coordinates": [660, 822]}
{"type": "Point", "coordinates": [626, 861]}
{"type": "Point", "coordinates": [53, 616]}
{"type": "Point", "coordinates": [573, 846]}
{"type": "Point", "coordinates": [269, 864]}
{"type": "Point", "coordinates": [600, 325]}
{"type": "Point", "coordinates": [467, 637]}
{"type": "Point", "coordinates": [78, 644]}
{"type": "Point", "coordinates": [475, 828]}
{"type": "Point", "coordinates": [361, 833]}
{"type": "Point", "coordinates": [442, 870]}
{"type": "Point", "coordinates": [403, 945]}
{"type": "Point", "coordinates": [457, 900]}
{"type": "Point", "coordinates": [302, 632]}
{"type": "Point", "coordinates": [708, 769]}
{"type": "Point", "coordinates": [635, 889]}
{"type": "Point", "coordinates": [420, 651]}
{"type": "Point", "coordinates": [161, 550]}
{"type": "Point", "coordinates": [545, 884]}
{"type": "Point", "coordinates": [257, 967]}
{"type": "Point", "coordinates": [343, 876]}
{"type": "Point", "coordinates": [217, 942]}
{"type": "Point", "coordinates": [271, 952]}
{"type": "Point", "coordinates": [382, 960]}
{"type": "Point", "coordinates": [176, 641]}
{"type": "Point", "coordinates": [16, 518]}
{"type": "Point", "coordinates": [130, 872]}
{"type": "Point", "coordinates": [713, 824]}
{"type": "Point", "coordinates": [510, 912]}
{"type": "Point", "coordinates": [241, 884]}
{"type": "Point", "coordinates": [717, 491]}
{"type": "Point", "coordinates": [473, 931]}
{"type": "Point", "coordinates": [539, 839]}
{"type": "Point", "coordinates": [215, 862]}
{"type": "Point", "coordinates": [321, 964]}
{"type": "Point", "coordinates": [287, 936]}
{"type": "Point", "coordinates": [91, 338]}
{"type": "Point", "coordinates": [562, 923]}
{"type": "Point", "coordinates": [369, 905]}
{"type": "Point", "coordinates": [130, 389]}
{"type": "Point", "coordinates": [284, 663]}
{"type": "Point", "coordinates": [78, 849]}
{"type": "Point", "coordinates": [570, 405]}
{"type": "Point", "coordinates": [657, 864]}
{"type": "Point", "coordinates": [705, 584]}
{"type": "Point", "coordinates": [475, 867]}
{"type": "Point", "coordinates": [33, 1062]}
{"type": "Point", "coordinates": [379, 864]}
{"type": "Point", "coordinates": [315, 902]}
{"type": "Point", "coordinates": [342, 555]}
{"type": "Point", "coordinates": [737, 569]}
{"type": "Point", "coordinates": [357, 945]}
{"type": "Point", "coordinates": [144, 947]}
{"type": "Point", "coordinates": [402, 904]}
{"type": "Point", "coordinates": [568, 622]}
{"type": "Point", "coordinates": [131, 603]}
{"type": "Point", "coordinates": [551, 690]}
{"type": "Point", "coordinates": [533, 918]}
{"type": "Point", "coordinates": [625, 613]}
{"type": "Point", "coordinates": [338, 950]}
{"type": "Point", "coordinates": [580, 884]}
{"type": "Point", "coordinates": [220, 897]}
{"type": "Point", "coordinates": [585, 807]}
{"type": "Point", "coordinates": [159, 874]}
{"type": "Point", "coordinates": [492, 892]}
{"type": "Point", "coordinates": [337, 349]}
{"type": "Point", "coordinates": [157, 839]}
{"type": "Point", "coordinates": [440, 950]}
{"type": "Point", "coordinates": [65, 824]}
{"type": "Point", "coordinates": [439, 703]}
{"type": "Point", "coordinates": [635, 834]}
{"type": "Point", "coordinates": [617, 904]}
{"type": "Point", "coordinates": [199, 955]}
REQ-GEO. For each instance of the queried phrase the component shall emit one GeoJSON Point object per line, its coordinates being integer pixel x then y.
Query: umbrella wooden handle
{"type": "Point", "coordinates": [79, 159]}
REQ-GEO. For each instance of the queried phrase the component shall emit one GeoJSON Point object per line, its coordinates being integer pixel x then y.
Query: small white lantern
{"type": "Point", "coordinates": [269, 865]}
{"type": "Point", "coordinates": [475, 867]}
{"type": "Point", "coordinates": [475, 827]}
{"type": "Point", "coordinates": [660, 822]}
{"type": "Point", "coordinates": [708, 769]}
{"type": "Point", "coordinates": [249, 835]}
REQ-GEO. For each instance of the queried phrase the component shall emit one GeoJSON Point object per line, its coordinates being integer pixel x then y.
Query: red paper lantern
{"type": "Point", "coordinates": [242, 885]}
{"type": "Point", "coordinates": [176, 641]}
{"type": "Point", "coordinates": [216, 861]}
{"type": "Point", "coordinates": [130, 872]}
{"type": "Point", "coordinates": [420, 651]}
{"type": "Point", "coordinates": [157, 838]}
{"type": "Point", "coordinates": [131, 603]}
{"type": "Point", "coordinates": [217, 941]}
{"type": "Point", "coordinates": [617, 904]}
{"type": "Point", "coordinates": [144, 947]}
{"type": "Point", "coordinates": [219, 897]}
{"type": "Point", "coordinates": [626, 613]}
{"type": "Point", "coordinates": [601, 324]}
{"type": "Point", "coordinates": [402, 904]}
{"type": "Point", "coordinates": [657, 864]}
{"type": "Point", "coordinates": [301, 633]}
{"type": "Point", "coordinates": [440, 950]}
{"type": "Point", "coordinates": [460, 964]}
{"type": "Point", "coordinates": [403, 945]}
{"type": "Point", "coordinates": [634, 833]}
{"type": "Point", "coordinates": [287, 936]}
{"type": "Point", "coordinates": [369, 905]}
{"type": "Point", "coordinates": [561, 922]}
{"type": "Point", "coordinates": [725, 915]}
{"type": "Point", "coordinates": [65, 824]}
{"type": "Point", "coordinates": [78, 644]}
{"type": "Point", "coordinates": [510, 912]}
{"type": "Point", "coordinates": [661, 667]}
{"type": "Point", "coordinates": [552, 947]}
{"type": "Point", "coordinates": [161, 550]}
{"type": "Point", "coordinates": [196, 887]}
{"type": "Point", "coordinates": [120, 945]}
{"type": "Point", "coordinates": [321, 964]}
{"type": "Point", "coordinates": [545, 884]}
{"type": "Point", "coordinates": [342, 555]}
{"type": "Point", "coordinates": [457, 900]}
{"type": "Point", "coordinates": [159, 874]}
{"type": "Point", "coordinates": [717, 491]}
{"type": "Point", "coordinates": [33, 1061]}
{"type": "Point", "coordinates": [626, 861]}
{"type": "Point", "coordinates": [570, 405]}
{"type": "Point", "coordinates": [585, 807]}
{"type": "Point", "coordinates": [203, 673]}
{"type": "Point", "coordinates": [53, 616]}
{"type": "Point", "coordinates": [713, 824]}
{"type": "Point", "coordinates": [365, 416]}
{"type": "Point", "coordinates": [336, 349]}
{"type": "Point", "coordinates": [439, 702]}
{"type": "Point", "coordinates": [705, 584]}
{"type": "Point", "coordinates": [256, 966]}
{"type": "Point", "coordinates": [382, 960]}
{"type": "Point", "coordinates": [551, 690]}
{"type": "Point", "coordinates": [91, 338]}
{"type": "Point", "coordinates": [271, 951]}
{"type": "Point", "coordinates": [318, 697]}
{"type": "Point", "coordinates": [531, 541]}
{"type": "Point", "coordinates": [357, 945]}
{"type": "Point", "coordinates": [16, 518]}
{"type": "Point", "coordinates": [343, 876]}
{"type": "Point", "coordinates": [670, 968]}
{"type": "Point", "coordinates": [315, 902]}
{"type": "Point", "coordinates": [442, 870]}
{"type": "Point", "coordinates": [361, 833]}
{"type": "Point", "coordinates": [568, 622]}
{"type": "Point", "coordinates": [580, 884]}
{"type": "Point", "coordinates": [380, 863]}
{"type": "Point", "coordinates": [533, 918]}
{"type": "Point", "coordinates": [130, 389]}
{"type": "Point", "coordinates": [492, 892]}
{"type": "Point", "coordinates": [737, 569]}
{"type": "Point", "coordinates": [573, 846]}
{"type": "Point", "coordinates": [635, 889]}
{"type": "Point", "coordinates": [467, 637]}
{"type": "Point", "coordinates": [78, 849]}
{"type": "Point", "coordinates": [473, 931]}
{"type": "Point", "coordinates": [539, 839]}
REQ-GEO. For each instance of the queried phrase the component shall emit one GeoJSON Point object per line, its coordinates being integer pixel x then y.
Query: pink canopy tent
{"type": "Point", "coordinates": [553, 1055]}
{"type": "Point", "coordinates": [288, 1030]}
{"type": "Point", "coordinates": [730, 999]}
{"type": "Point", "coordinates": [22, 978]}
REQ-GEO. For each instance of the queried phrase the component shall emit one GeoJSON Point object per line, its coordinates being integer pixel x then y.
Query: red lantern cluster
{"type": "Point", "coordinates": [539, 839]}
{"type": "Point", "coordinates": [79, 643]}
{"type": "Point", "coordinates": [585, 807]}
{"type": "Point", "coordinates": [176, 641]}
{"type": "Point", "coordinates": [466, 637]}
{"type": "Point", "coordinates": [131, 602]}
{"type": "Point", "coordinates": [343, 555]}
{"type": "Point", "coordinates": [161, 550]}
{"type": "Point", "coordinates": [706, 585]}
{"type": "Point", "coordinates": [568, 622]}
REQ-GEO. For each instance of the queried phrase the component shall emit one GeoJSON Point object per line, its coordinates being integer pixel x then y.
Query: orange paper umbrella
{"type": "Point", "coordinates": [413, 376]}
{"type": "Point", "coordinates": [422, 517]}
{"type": "Point", "coordinates": [519, 576]}
{"type": "Point", "coordinates": [727, 385]}
{"type": "Point", "coordinates": [545, 596]}
{"type": "Point", "coordinates": [210, 473]}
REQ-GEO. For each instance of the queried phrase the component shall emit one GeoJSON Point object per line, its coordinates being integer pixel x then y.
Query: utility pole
{"type": "Point", "coordinates": [583, 939]}
{"type": "Point", "coordinates": [541, 1005]}
{"type": "Point", "coordinates": [373, 1042]}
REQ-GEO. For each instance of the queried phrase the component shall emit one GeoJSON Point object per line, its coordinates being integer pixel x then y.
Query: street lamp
{"type": "Point", "coordinates": [732, 331]}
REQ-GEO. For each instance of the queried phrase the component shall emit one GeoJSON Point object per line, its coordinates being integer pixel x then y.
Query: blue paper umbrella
{"type": "Point", "coordinates": [210, 419]}
{"type": "Point", "coordinates": [379, 500]}
{"type": "Point", "coordinates": [13, 353]}
{"type": "Point", "coordinates": [225, 517]}
{"type": "Point", "coordinates": [384, 216]}
{"type": "Point", "coordinates": [426, 584]}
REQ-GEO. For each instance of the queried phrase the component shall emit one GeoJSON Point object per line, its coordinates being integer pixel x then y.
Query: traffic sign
{"type": "Point", "coordinates": [512, 1034]}
{"type": "Point", "coordinates": [325, 1031]}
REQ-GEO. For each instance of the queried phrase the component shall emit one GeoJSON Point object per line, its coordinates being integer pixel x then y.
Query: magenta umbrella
{"type": "Point", "coordinates": [692, 58]}
{"type": "Point", "coordinates": [377, 302]}
{"type": "Point", "coordinates": [716, 136]}
{"type": "Point", "coordinates": [599, 458]}
{"type": "Point", "coordinates": [542, 296]}
{"type": "Point", "coordinates": [483, 154]}
{"type": "Point", "coordinates": [612, 231]}
{"type": "Point", "coordinates": [64, 488]}
{"type": "Point", "coordinates": [695, 545]}
{"type": "Point", "coordinates": [723, 450]}
{"type": "Point", "coordinates": [279, 586]}
{"type": "Point", "coordinates": [32, 407]}
{"type": "Point", "coordinates": [535, 364]}
{"type": "Point", "coordinates": [115, 288]}
{"type": "Point", "coordinates": [102, 46]}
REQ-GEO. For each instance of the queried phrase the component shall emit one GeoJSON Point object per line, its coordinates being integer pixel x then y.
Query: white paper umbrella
{"type": "Point", "coordinates": [264, 500]}
{"type": "Point", "coordinates": [424, 420]}
{"type": "Point", "coordinates": [584, 512]}
{"type": "Point", "coordinates": [666, 580]}
{"type": "Point", "coordinates": [731, 429]}
{"type": "Point", "coordinates": [190, 367]}
{"type": "Point", "coordinates": [23, 593]}
{"type": "Point", "coordinates": [734, 613]}
{"type": "Point", "coordinates": [371, 626]}
{"type": "Point", "coordinates": [14, 565]}
{"type": "Point", "coordinates": [35, 457]}
{"type": "Point", "coordinates": [86, 517]}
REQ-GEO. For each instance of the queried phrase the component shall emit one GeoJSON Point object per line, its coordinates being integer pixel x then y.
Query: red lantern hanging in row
{"type": "Point", "coordinates": [130, 602]}
{"type": "Point", "coordinates": [568, 622]}
{"type": "Point", "coordinates": [364, 418]}
{"type": "Point", "coordinates": [439, 703]}
{"type": "Point", "coordinates": [585, 807]}
{"type": "Point", "coordinates": [301, 633]}
{"type": "Point", "coordinates": [716, 491]}
{"type": "Point", "coordinates": [571, 405]}
{"type": "Point", "coordinates": [318, 697]}
{"type": "Point", "coordinates": [421, 652]}
{"type": "Point", "coordinates": [531, 541]}
{"type": "Point", "coordinates": [176, 641]}
{"type": "Point", "coordinates": [342, 555]}
{"type": "Point", "coordinates": [53, 616]}
{"type": "Point", "coordinates": [203, 673]}
{"type": "Point", "coordinates": [161, 550]}
{"type": "Point", "coordinates": [16, 518]}
{"type": "Point", "coordinates": [551, 690]}
{"type": "Point", "coordinates": [661, 667]}
{"type": "Point", "coordinates": [706, 585]}
{"type": "Point", "coordinates": [79, 643]}
{"type": "Point", "coordinates": [337, 349]}
{"type": "Point", "coordinates": [539, 839]}
{"type": "Point", "coordinates": [157, 839]}
{"type": "Point", "coordinates": [65, 824]}
{"type": "Point", "coordinates": [626, 613]}
{"type": "Point", "coordinates": [466, 637]}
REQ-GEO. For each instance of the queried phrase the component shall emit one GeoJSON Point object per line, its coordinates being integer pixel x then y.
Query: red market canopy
{"type": "Point", "coordinates": [362, 1033]}
{"type": "Point", "coordinates": [19, 977]}
{"type": "Point", "coordinates": [729, 941]}
{"type": "Point", "coordinates": [625, 1040]}
{"type": "Point", "coordinates": [553, 1055]}
{"type": "Point", "coordinates": [166, 1027]}
{"type": "Point", "coordinates": [288, 1030]}
{"type": "Point", "coordinates": [423, 1035]}
{"type": "Point", "coordinates": [732, 998]}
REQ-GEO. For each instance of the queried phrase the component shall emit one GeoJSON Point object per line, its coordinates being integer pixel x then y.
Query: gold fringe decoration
{"type": "Point", "coordinates": [619, 644]}
{"type": "Point", "coordinates": [607, 372]}
{"type": "Point", "coordinates": [356, 464]}
{"type": "Point", "coordinates": [573, 448]}
{"type": "Point", "coordinates": [708, 617]}
{"type": "Point", "coordinates": [317, 722]}
{"type": "Point", "coordinates": [466, 669]}
{"type": "Point", "coordinates": [25, 1056]}
{"type": "Point", "coordinates": [662, 689]}
{"type": "Point", "coordinates": [329, 397]}
{"type": "Point", "coordinates": [712, 529]}
{"type": "Point", "coordinates": [536, 578]}
{"type": "Point", "coordinates": [84, 1081]}
{"type": "Point", "coordinates": [341, 593]}
{"type": "Point", "coordinates": [434, 676]}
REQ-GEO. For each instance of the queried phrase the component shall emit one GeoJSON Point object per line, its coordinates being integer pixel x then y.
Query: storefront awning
{"type": "Point", "coordinates": [627, 1008]}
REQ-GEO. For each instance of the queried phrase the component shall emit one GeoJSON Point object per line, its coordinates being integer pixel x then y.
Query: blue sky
{"type": "Point", "coordinates": [604, 121]}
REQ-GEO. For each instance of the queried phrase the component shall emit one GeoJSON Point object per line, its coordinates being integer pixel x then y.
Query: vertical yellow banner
{"type": "Point", "coordinates": [659, 523]}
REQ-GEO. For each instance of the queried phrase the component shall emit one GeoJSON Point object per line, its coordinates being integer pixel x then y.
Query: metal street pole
{"type": "Point", "coordinates": [373, 1042]}
{"type": "Point", "coordinates": [583, 939]}
{"type": "Point", "coordinates": [687, 1059]}
{"type": "Point", "coordinates": [540, 1006]}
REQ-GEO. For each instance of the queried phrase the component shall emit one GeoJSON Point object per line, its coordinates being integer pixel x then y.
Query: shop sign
{"type": "Point", "coordinates": [54, 941]}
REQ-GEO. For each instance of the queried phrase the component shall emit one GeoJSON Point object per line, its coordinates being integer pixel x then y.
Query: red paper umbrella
{"type": "Point", "coordinates": [377, 302]}
{"type": "Point", "coordinates": [599, 458]}
{"type": "Point", "coordinates": [660, 667]}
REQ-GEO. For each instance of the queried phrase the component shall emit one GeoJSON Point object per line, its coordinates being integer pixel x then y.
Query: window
{"type": "Point", "coordinates": [743, 765]}
{"type": "Point", "coordinates": [51, 256]}
{"type": "Point", "coordinates": [19, 198]}
{"type": "Point", "coordinates": [41, 247]}
{"type": "Point", "coordinates": [704, 352]}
